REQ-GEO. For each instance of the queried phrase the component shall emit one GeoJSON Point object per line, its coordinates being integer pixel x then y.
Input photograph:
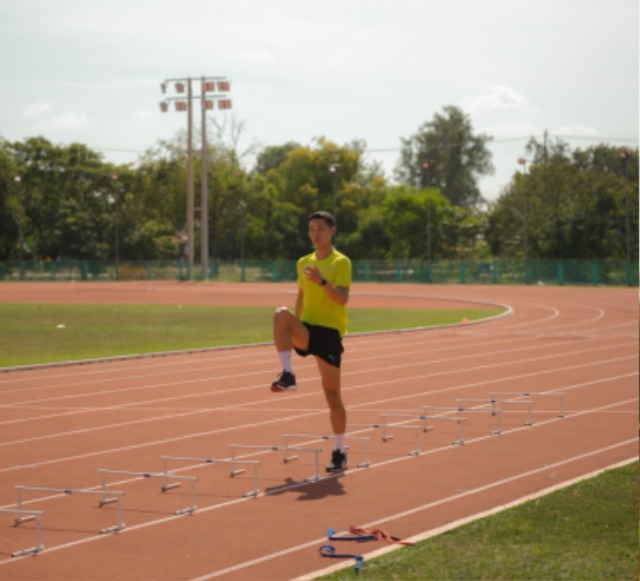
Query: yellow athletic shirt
{"type": "Point", "coordinates": [317, 307]}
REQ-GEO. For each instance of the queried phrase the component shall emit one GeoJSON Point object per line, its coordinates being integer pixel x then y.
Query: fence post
{"type": "Point", "coordinates": [560, 273]}
{"type": "Point", "coordinates": [462, 272]}
{"type": "Point", "coordinates": [594, 273]}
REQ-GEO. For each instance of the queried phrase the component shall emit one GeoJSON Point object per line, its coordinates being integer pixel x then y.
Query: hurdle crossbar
{"type": "Point", "coordinates": [289, 458]}
{"type": "Point", "coordinates": [411, 417]}
{"type": "Point", "coordinates": [69, 491]}
{"type": "Point", "coordinates": [559, 395]}
{"type": "Point", "coordinates": [191, 479]}
{"type": "Point", "coordinates": [315, 451]}
{"type": "Point", "coordinates": [33, 515]}
{"type": "Point", "coordinates": [459, 420]}
{"type": "Point", "coordinates": [254, 463]}
{"type": "Point", "coordinates": [460, 409]}
{"type": "Point", "coordinates": [491, 403]}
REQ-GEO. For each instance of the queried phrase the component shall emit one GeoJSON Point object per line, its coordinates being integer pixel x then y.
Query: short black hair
{"type": "Point", "coordinates": [326, 216]}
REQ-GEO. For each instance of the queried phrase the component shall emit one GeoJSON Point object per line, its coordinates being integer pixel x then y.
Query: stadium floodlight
{"type": "Point", "coordinates": [185, 104]}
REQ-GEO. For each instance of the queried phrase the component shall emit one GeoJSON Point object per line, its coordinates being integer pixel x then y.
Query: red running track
{"type": "Point", "coordinates": [61, 425]}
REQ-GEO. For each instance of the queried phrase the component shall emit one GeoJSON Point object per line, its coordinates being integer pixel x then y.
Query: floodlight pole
{"type": "Point", "coordinates": [190, 235]}
{"type": "Point", "coordinates": [223, 87]}
{"type": "Point", "coordinates": [624, 156]}
{"type": "Point", "coordinates": [333, 168]}
{"type": "Point", "coordinates": [523, 162]}
{"type": "Point", "coordinates": [204, 195]}
{"type": "Point", "coordinates": [426, 169]}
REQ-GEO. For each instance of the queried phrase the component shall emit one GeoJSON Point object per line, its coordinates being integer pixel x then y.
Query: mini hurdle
{"type": "Point", "coordinates": [68, 491]}
{"type": "Point", "coordinates": [494, 409]}
{"type": "Point", "coordinates": [33, 515]}
{"type": "Point", "coordinates": [411, 417]}
{"type": "Point", "coordinates": [191, 479]}
{"type": "Point", "coordinates": [459, 420]}
{"type": "Point", "coordinates": [289, 458]}
{"type": "Point", "coordinates": [254, 463]}
{"type": "Point", "coordinates": [460, 409]}
{"type": "Point", "coordinates": [315, 451]}
{"type": "Point", "coordinates": [559, 395]}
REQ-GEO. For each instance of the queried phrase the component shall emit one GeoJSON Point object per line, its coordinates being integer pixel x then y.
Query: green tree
{"type": "Point", "coordinates": [11, 211]}
{"type": "Point", "coordinates": [456, 156]}
{"type": "Point", "coordinates": [574, 205]}
{"type": "Point", "coordinates": [64, 197]}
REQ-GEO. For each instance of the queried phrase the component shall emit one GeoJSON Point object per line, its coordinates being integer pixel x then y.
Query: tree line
{"type": "Point", "coordinates": [66, 202]}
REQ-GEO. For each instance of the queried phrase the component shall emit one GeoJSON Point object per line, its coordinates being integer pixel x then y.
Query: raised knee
{"type": "Point", "coordinates": [281, 314]}
{"type": "Point", "coordinates": [280, 311]}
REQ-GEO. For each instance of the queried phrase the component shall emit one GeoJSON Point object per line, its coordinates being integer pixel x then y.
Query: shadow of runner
{"type": "Point", "coordinates": [329, 486]}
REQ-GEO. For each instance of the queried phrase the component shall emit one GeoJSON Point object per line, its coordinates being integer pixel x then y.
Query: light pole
{"type": "Point", "coordinates": [240, 175]}
{"type": "Point", "coordinates": [523, 162]}
{"type": "Point", "coordinates": [333, 168]}
{"type": "Point", "coordinates": [624, 156]}
{"type": "Point", "coordinates": [114, 178]}
{"type": "Point", "coordinates": [425, 167]}
{"type": "Point", "coordinates": [19, 218]}
{"type": "Point", "coordinates": [218, 87]}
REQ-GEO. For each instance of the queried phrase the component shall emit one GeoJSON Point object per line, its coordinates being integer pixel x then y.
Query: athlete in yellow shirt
{"type": "Point", "coordinates": [319, 322]}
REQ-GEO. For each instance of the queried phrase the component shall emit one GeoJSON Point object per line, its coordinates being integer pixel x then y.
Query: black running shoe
{"type": "Point", "coordinates": [339, 462]}
{"type": "Point", "coordinates": [286, 382]}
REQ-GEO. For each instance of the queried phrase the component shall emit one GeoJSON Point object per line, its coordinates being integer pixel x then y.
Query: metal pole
{"type": "Point", "coordinates": [190, 245]}
{"type": "Point", "coordinates": [204, 198]}
{"type": "Point", "coordinates": [522, 161]}
{"type": "Point", "coordinates": [624, 155]}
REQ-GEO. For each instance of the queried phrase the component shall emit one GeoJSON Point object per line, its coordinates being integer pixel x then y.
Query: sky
{"type": "Point", "coordinates": [89, 71]}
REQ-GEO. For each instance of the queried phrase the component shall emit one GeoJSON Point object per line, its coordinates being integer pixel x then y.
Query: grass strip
{"type": "Point", "coordinates": [588, 531]}
{"type": "Point", "coordinates": [42, 333]}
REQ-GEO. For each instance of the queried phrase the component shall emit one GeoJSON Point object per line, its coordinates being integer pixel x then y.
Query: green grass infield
{"type": "Point", "coordinates": [42, 333]}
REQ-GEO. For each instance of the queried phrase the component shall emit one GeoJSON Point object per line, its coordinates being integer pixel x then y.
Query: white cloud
{"type": "Point", "coordinates": [43, 121]}
{"type": "Point", "coordinates": [69, 120]}
{"type": "Point", "coordinates": [37, 109]}
{"type": "Point", "coordinates": [499, 99]}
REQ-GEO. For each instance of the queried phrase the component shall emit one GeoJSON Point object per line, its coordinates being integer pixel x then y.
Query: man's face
{"type": "Point", "coordinates": [320, 233]}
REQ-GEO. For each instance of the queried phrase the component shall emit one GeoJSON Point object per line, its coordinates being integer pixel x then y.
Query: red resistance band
{"type": "Point", "coordinates": [379, 535]}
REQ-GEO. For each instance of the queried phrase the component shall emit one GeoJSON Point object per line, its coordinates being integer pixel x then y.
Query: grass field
{"type": "Point", "coordinates": [588, 531]}
{"type": "Point", "coordinates": [40, 333]}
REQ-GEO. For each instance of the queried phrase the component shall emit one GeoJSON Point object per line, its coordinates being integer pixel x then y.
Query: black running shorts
{"type": "Point", "coordinates": [325, 343]}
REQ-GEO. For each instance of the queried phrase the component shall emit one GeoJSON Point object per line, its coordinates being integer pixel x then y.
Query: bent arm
{"type": "Point", "coordinates": [339, 294]}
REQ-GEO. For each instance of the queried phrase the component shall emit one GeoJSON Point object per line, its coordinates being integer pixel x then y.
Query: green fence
{"type": "Point", "coordinates": [551, 272]}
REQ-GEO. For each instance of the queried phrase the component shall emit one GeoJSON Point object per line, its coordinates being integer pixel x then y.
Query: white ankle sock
{"type": "Point", "coordinates": [285, 360]}
{"type": "Point", "coordinates": [339, 442]}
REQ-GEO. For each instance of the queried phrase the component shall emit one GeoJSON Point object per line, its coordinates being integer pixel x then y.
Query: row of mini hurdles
{"type": "Point", "coordinates": [391, 422]}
